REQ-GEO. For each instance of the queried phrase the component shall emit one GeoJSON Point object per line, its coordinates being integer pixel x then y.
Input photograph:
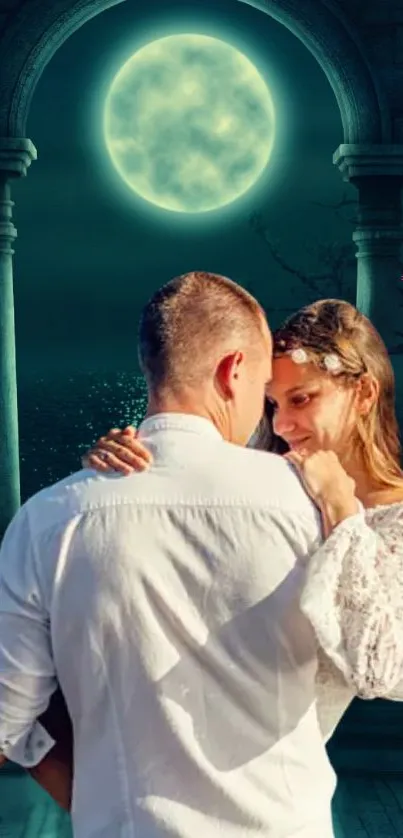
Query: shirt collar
{"type": "Point", "coordinates": [179, 422]}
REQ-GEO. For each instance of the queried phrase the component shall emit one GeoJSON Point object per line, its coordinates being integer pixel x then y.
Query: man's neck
{"type": "Point", "coordinates": [156, 409]}
{"type": "Point", "coordinates": [185, 406]}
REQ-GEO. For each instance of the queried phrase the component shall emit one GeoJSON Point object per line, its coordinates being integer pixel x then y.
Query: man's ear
{"type": "Point", "coordinates": [227, 373]}
{"type": "Point", "coordinates": [367, 393]}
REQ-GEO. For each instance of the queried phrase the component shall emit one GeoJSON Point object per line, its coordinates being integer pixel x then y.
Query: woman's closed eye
{"type": "Point", "coordinates": [297, 400]}
{"type": "Point", "coordinates": [301, 399]}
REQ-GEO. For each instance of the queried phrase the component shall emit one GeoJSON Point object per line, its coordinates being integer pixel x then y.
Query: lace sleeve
{"type": "Point", "coordinates": [353, 597]}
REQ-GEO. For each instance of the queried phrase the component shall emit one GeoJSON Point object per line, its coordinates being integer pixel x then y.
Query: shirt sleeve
{"type": "Point", "coordinates": [27, 674]}
{"type": "Point", "coordinates": [353, 597]}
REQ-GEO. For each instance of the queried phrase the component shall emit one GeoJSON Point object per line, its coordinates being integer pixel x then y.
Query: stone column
{"type": "Point", "coordinates": [366, 740]}
{"type": "Point", "coordinates": [377, 173]}
{"type": "Point", "coordinates": [15, 157]}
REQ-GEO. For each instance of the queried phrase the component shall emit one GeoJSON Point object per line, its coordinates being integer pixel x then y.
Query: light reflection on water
{"type": "Point", "coordinates": [60, 418]}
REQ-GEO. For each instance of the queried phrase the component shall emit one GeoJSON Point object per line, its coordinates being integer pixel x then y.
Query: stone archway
{"type": "Point", "coordinates": [39, 28]}
{"type": "Point", "coordinates": [31, 31]}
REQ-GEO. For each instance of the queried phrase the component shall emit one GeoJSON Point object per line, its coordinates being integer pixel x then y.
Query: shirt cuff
{"type": "Point", "coordinates": [28, 749]}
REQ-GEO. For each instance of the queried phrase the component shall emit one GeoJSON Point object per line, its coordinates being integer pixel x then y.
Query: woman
{"type": "Point", "coordinates": [331, 408]}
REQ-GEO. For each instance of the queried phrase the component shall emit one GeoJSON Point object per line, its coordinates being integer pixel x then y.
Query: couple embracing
{"type": "Point", "coordinates": [207, 607]}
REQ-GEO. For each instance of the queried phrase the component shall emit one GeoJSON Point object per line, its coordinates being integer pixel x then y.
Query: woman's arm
{"type": "Point", "coordinates": [329, 486]}
{"type": "Point", "coordinates": [354, 588]}
{"type": "Point", "coordinates": [120, 450]}
{"type": "Point", "coordinates": [354, 599]}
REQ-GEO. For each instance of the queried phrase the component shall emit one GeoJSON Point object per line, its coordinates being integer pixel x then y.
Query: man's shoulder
{"type": "Point", "coordinates": [67, 498]}
{"type": "Point", "coordinates": [69, 486]}
{"type": "Point", "coordinates": [261, 478]}
{"type": "Point", "coordinates": [226, 474]}
{"type": "Point", "coordinates": [258, 463]}
{"type": "Point", "coordinates": [253, 459]}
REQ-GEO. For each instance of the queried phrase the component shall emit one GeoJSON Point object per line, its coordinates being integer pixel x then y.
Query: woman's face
{"type": "Point", "coordinates": [312, 409]}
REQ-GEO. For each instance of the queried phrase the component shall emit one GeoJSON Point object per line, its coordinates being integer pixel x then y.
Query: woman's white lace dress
{"type": "Point", "coordinates": [353, 597]}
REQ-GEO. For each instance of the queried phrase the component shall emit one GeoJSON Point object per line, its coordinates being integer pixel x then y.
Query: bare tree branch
{"type": "Point", "coordinates": [335, 258]}
{"type": "Point", "coordinates": [344, 202]}
{"type": "Point", "coordinates": [340, 205]}
{"type": "Point", "coordinates": [259, 227]}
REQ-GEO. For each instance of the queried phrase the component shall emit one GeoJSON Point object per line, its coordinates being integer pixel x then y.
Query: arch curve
{"type": "Point", "coordinates": [40, 27]}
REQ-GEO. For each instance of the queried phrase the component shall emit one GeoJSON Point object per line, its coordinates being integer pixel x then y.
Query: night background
{"type": "Point", "coordinates": [90, 252]}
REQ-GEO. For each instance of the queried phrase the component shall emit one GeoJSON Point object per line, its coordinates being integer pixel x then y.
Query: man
{"type": "Point", "coordinates": [166, 604]}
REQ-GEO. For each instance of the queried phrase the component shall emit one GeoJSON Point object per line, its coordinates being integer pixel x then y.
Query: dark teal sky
{"type": "Point", "coordinates": [89, 253]}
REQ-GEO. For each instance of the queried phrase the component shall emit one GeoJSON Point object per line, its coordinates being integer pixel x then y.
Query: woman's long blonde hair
{"type": "Point", "coordinates": [336, 327]}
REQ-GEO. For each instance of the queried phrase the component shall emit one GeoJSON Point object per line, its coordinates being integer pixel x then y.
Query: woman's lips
{"type": "Point", "coordinates": [297, 443]}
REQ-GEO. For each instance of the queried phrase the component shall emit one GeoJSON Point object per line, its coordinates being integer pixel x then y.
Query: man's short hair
{"type": "Point", "coordinates": [188, 321]}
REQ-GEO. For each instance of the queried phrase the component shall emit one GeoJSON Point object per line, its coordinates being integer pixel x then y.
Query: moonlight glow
{"type": "Point", "coordinates": [189, 123]}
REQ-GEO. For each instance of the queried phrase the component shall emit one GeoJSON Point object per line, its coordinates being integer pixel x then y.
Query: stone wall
{"type": "Point", "coordinates": [380, 25]}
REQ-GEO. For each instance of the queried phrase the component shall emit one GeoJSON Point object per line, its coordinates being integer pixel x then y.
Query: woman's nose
{"type": "Point", "coordinates": [283, 423]}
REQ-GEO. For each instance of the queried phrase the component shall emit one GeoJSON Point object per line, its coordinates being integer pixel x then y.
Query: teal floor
{"type": "Point", "coordinates": [26, 811]}
{"type": "Point", "coordinates": [369, 807]}
{"type": "Point", "coordinates": [363, 808]}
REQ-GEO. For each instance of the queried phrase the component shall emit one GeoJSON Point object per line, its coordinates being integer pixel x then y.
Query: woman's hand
{"type": "Point", "coordinates": [328, 484]}
{"type": "Point", "coordinates": [120, 450]}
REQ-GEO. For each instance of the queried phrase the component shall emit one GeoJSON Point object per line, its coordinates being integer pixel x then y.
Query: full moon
{"type": "Point", "coordinates": [189, 123]}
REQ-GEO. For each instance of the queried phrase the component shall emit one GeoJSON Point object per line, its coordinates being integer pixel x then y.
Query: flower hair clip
{"type": "Point", "coordinates": [331, 362]}
{"type": "Point", "coordinates": [299, 356]}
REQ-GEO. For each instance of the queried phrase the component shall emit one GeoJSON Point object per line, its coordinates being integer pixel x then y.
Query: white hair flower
{"type": "Point", "coordinates": [299, 356]}
{"type": "Point", "coordinates": [332, 363]}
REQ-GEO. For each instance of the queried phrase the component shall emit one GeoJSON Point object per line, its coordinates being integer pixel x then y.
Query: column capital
{"type": "Point", "coordinates": [16, 155]}
{"type": "Point", "coordinates": [365, 161]}
{"type": "Point", "coordinates": [376, 171]}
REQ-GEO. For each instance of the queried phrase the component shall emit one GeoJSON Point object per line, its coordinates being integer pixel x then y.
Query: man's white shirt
{"type": "Point", "coordinates": [166, 606]}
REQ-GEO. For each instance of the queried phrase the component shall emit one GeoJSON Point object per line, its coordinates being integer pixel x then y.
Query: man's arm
{"type": "Point", "coordinates": [55, 772]}
{"type": "Point", "coordinates": [27, 673]}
